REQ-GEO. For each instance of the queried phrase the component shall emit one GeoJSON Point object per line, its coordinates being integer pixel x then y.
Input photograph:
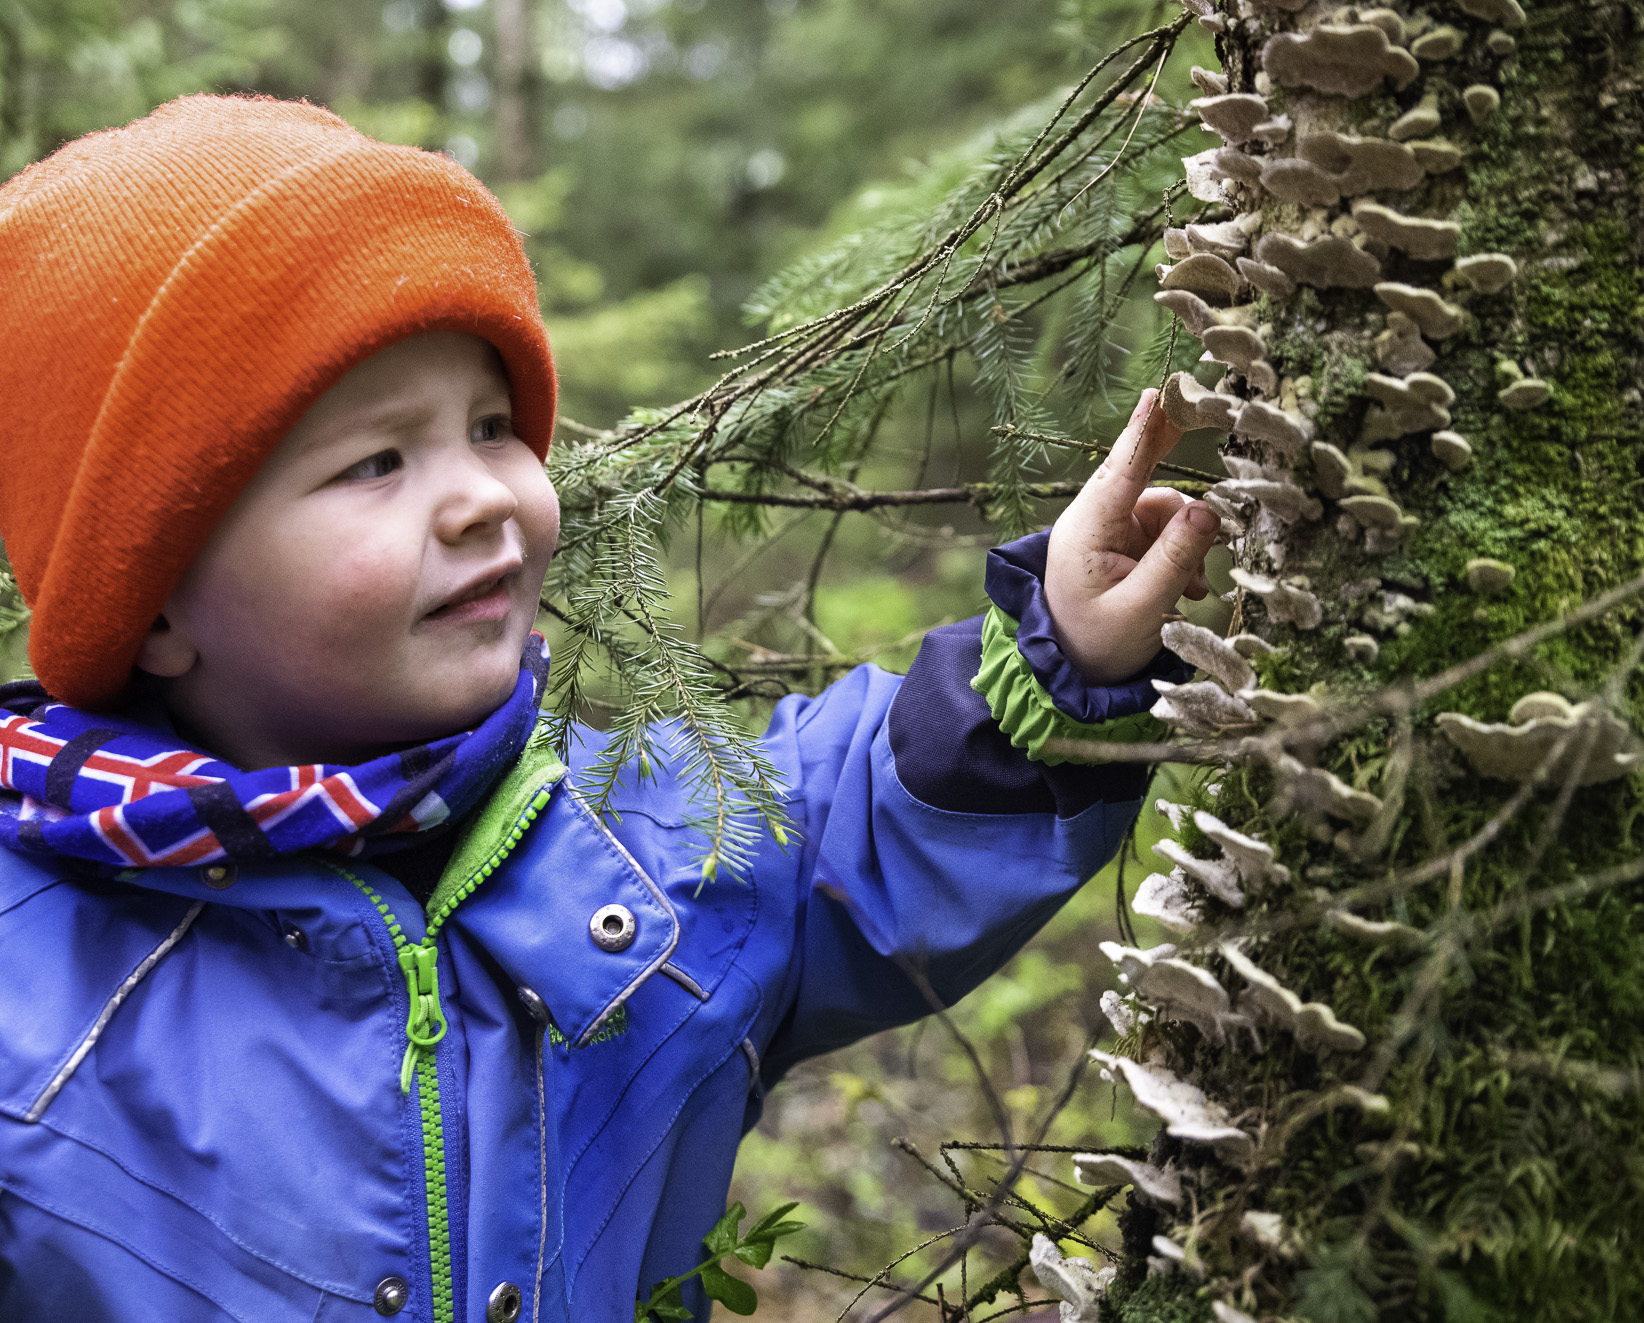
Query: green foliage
{"type": "Point", "coordinates": [754, 1248]}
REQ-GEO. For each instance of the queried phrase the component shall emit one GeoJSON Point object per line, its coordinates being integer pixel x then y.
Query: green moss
{"type": "Point", "coordinates": [1160, 1299]}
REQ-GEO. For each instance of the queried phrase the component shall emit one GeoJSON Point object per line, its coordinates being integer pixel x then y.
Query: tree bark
{"type": "Point", "coordinates": [519, 107]}
{"type": "Point", "coordinates": [1418, 1025]}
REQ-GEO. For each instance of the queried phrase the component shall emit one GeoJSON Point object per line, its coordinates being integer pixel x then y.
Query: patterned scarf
{"type": "Point", "coordinates": [122, 793]}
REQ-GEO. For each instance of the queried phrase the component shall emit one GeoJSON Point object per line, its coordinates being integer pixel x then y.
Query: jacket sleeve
{"type": "Point", "coordinates": [935, 841]}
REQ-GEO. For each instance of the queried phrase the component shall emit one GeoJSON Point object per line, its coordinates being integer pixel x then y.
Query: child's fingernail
{"type": "Point", "coordinates": [1203, 518]}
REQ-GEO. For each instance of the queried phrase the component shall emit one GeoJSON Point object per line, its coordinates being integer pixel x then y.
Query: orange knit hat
{"type": "Point", "coordinates": [173, 296]}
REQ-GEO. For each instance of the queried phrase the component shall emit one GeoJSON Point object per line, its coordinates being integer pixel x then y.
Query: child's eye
{"type": "Point", "coordinates": [491, 428]}
{"type": "Point", "coordinates": [379, 465]}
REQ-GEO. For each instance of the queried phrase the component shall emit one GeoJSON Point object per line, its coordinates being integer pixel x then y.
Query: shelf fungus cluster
{"type": "Point", "coordinates": [1548, 736]}
{"type": "Point", "coordinates": [1329, 281]}
{"type": "Point", "coordinates": [1329, 152]}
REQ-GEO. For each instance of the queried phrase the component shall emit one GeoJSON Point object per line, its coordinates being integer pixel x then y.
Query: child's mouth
{"type": "Point", "coordinates": [488, 600]}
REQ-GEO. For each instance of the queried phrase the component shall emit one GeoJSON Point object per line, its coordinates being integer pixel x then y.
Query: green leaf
{"type": "Point", "coordinates": [732, 1292]}
{"type": "Point", "coordinates": [772, 1218]}
{"type": "Point", "coordinates": [666, 1302]}
{"type": "Point", "coordinates": [722, 1239]}
{"type": "Point", "coordinates": [755, 1248]}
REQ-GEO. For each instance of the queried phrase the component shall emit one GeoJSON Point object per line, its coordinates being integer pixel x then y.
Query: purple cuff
{"type": "Point", "coordinates": [1016, 585]}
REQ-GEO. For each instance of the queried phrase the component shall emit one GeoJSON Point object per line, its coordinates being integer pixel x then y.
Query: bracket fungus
{"type": "Point", "coordinates": [1482, 101]}
{"type": "Point", "coordinates": [1440, 44]}
{"type": "Point", "coordinates": [1487, 273]}
{"type": "Point", "coordinates": [1313, 1024]}
{"type": "Point", "coordinates": [1219, 877]}
{"type": "Point", "coordinates": [1164, 898]}
{"type": "Point", "coordinates": [1506, 12]}
{"type": "Point", "coordinates": [1436, 156]}
{"type": "Point", "coordinates": [1595, 740]}
{"type": "Point", "coordinates": [1362, 648]}
{"type": "Point", "coordinates": [1253, 645]}
{"type": "Point", "coordinates": [1202, 709]}
{"type": "Point", "coordinates": [1327, 263]}
{"type": "Point", "coordinates": [1186, 1112]}
{"type": "Point", "coordinates": [1077, 1283]}
{"type": "Point", "coordinates": [1287, 603]}
{"type": "Point", "coordinates": [1182, 991]}
{"type": "Point", "coordinates": [1363, 165]}
{"type": "Point", "coordinates": [1331, 470]}
{"type": "Point", "coordinates": [1287, 501]}
{"type": "Point", "coordinates": [1261, 421]}
{"type": "Point", "coordinates": [1205, 180]}
{"type": "Point", "coordinates": [1209, 81]}
{"type": "Point", "coordinates": [1252, 859]}
{"type": "Point", "coordinates": [1419, 121]}
{"type": "Point", "coordinates": [1272, 131]}
{"type": "Point", "coordinates": [1197, 315]}
{"type": "Point", "coordinates": [1163, 1185]}
{"type": "Point", "coordinates": [1204, 274]}
{"type": "Point", "coordinates": [1189, 405]}
{"type": "Point", "coordinates": [1400, 347]}
{"type": "Point", "coordinates": [1132, 960]}
{"type": "Point", "coordinates": [1437, 318]}
{"type": "Point", "coordinates": [1500, 43]}
{"type": "Point", "coordinates": [1234, 115]}
{"type": "Point", "coordinates": [1488, 575]}
{"type": "Point", "coordinates": [1237, 346]}
{"type": "Point", "coordinates": [1226, 239]}
{"type": "Point", "coordinates": [1342, 59]}
{"type": "Point", "coordinates": [1384, 523]}
{"type": "Point", "coordinates": [1269, 279]}
{"type": "Point", "coordinates": [1423, 239]}
{"type": "Point", "coordinates": [1452, 450]}
{"type": "Point", "coordinates": [1121, 1014]}
{"type": "Point", "coordinates": [1175, 814]}
{"type": "Point", "coordinates": [1292, 179]}
{"type": "Point", "coordinates": [1416, 403]}
{"type": "Point", "coordinates": [1287, 709]}
{"type": "Point", "coordinates": [1213, 655]}
{"type": "Point", "coordinates": [1525, 393]}
{"type": "Point", "coordinates": [1312, 790]}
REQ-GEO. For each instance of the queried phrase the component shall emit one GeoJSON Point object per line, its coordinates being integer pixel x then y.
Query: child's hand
{"type": "Point", "coordinates": [1123, 553]}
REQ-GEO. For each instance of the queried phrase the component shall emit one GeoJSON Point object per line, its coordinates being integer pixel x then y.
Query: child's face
{"type": "Point", "coordinates": [374, 584]}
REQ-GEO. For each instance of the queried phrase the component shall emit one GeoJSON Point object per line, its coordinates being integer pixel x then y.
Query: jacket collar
{"type": "Point", "coordinates": [538, 923]}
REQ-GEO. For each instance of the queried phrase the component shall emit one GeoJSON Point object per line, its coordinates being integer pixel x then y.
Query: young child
{"type": "Point", "coordinates": [324, 995]}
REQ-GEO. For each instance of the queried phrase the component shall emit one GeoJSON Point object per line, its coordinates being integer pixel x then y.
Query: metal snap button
{"type": "Point", "coordinates": [219, 877]}
{"type": "Point", "coordinates": [295, 937]}
{"type": "Point", "coordinates": [504, 1304]}
{"type": "Point", "coordinates": [613, 927]}
{"type": "Point", "coordinates": [535, 1007]}
{"type": "Point", "coordinates": [392, 1293]}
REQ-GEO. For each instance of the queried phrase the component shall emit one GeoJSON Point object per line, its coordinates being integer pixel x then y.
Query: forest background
{"type": "Point", "coordinates": [665, 159]}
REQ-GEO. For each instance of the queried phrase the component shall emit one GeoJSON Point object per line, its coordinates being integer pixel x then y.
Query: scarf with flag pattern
{"type": "Point", "coordinates": [118, 792]}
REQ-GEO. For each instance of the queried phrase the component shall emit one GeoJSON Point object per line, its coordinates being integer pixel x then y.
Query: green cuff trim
{"type": "Point", "coordinates": [1024, 709]}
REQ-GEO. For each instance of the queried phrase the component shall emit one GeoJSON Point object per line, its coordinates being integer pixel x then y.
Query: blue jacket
{"type": "Point", "coordinates": [201, 1112]}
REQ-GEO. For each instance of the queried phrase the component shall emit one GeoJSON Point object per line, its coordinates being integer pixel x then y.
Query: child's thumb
{"type": "Point", "coordinates": [1169, 565]}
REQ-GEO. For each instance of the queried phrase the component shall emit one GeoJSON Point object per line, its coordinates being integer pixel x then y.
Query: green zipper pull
{"type": "Point", "coordinates": [425, 1025]}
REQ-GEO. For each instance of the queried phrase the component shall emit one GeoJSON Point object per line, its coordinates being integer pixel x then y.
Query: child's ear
{"type": "Point", "coordinates": [166, 652]}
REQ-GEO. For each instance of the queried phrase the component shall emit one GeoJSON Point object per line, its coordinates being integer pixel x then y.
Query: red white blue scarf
{"type": "Point", "coordinates": [118, 792]}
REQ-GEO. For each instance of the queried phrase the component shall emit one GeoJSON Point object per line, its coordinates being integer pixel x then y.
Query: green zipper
{"type": "Point", "coordinates": [425, 1021]}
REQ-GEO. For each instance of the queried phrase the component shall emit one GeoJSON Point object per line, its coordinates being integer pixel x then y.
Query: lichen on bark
{"type": "Point", "coordinates": [1483, 1155]}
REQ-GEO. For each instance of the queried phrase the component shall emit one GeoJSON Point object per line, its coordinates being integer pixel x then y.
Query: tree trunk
{"type": "Point", "coordinates": [519, 102]}
{"type": "Point", "coordinates": [1415, 1010]}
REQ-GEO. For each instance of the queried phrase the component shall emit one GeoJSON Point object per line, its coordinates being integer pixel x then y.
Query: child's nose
{"type": "Point", "coordinates": [477, 501]}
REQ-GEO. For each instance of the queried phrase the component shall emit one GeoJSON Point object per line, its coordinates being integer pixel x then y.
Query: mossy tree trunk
{"type": "Point", "coordinates": [1429, 295]}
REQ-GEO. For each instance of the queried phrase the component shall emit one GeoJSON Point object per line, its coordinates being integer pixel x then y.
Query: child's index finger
{"type": "Point", "coordinates": [1124, 475]}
